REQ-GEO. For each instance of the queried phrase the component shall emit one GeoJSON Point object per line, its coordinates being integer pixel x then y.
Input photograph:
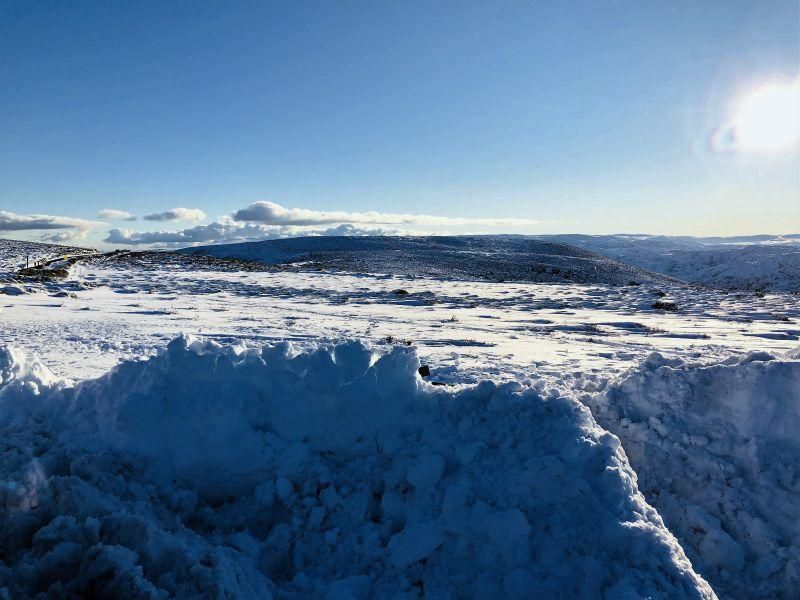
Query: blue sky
{"type": "Point", "coordinates": [526, 117]}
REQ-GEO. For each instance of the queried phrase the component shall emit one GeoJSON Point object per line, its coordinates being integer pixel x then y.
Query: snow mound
{"type": "Point", "coordinates": [717, 451]}
{"type": "Point", "coordinates": [211, 471]}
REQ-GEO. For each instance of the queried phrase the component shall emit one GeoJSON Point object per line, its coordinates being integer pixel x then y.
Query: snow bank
{"type": "Point", "coordinates": [231, 472]}
{"type": "Point", "coordinates": [717, 451]}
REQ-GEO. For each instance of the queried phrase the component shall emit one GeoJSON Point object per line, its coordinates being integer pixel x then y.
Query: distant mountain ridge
{"type": "Point", "coordinates": [757, 262]}
{"type": "Point", "coordinates": [494, 258]}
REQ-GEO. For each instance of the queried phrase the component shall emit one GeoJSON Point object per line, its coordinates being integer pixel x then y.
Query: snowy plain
{"type": "Point", "coordinates": [592, 440]}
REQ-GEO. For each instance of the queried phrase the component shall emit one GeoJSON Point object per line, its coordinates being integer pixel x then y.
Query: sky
{"type": "Point", "coordinates": [128, 124]}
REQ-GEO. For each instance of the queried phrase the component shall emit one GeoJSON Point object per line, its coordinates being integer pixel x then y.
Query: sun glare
{"type": "Point", "coordinates": [767, 119]}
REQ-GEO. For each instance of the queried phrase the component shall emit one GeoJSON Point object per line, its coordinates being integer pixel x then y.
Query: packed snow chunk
{"type": "Point", "coordinates": [349, 588]}
{"type": "Point", "coordinates": [21, 377]}
{"type": "Point", "coordinates": [717, 451]}
{"type": "Point", "coordinates": [414, 543]}
{"type": "Point", "coordinates": [214, 471]}
{"type": "Point", "coordinates": [507, 527]}
{"type": "Point", "coordinates": [426, 471]}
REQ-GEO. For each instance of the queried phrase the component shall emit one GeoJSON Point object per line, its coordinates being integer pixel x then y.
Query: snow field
{"type": "Point", "coordinates": [224, 471]}
{"type": "Point", "coordinates": [495, 330]}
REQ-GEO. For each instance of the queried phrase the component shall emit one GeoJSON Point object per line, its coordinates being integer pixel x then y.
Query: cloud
{"type": "Point", "coordinates": [267, 220]}
{"type": "Point", "coordinates": [350, 230]}
{"type": "Point", "coordinates": [229, 231]}
{"type": "Point", "coordinates": [190, 215]}
{"type": "Point", "coordinates": [274, 214]}
{"type": "Point", "coordinates": [113, 214]}
{"type": "Point", "coordinates": [62, 237]}
{"type": "Point", "coordinates": [214, 232]}
{"type": "Point", "coordinates": [13, 222]}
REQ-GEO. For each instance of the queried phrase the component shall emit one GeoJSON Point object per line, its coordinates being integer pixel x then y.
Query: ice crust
{"type": "Point", "coordinates": [222, 471]}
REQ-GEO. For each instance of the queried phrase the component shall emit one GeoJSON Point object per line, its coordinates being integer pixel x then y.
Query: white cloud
{"type": "Point", "coordinates": [267, 220]}
{"type": "Point", "coordinates": [190, 215]}
{"type": "Point", "coordinates": [62, 237]}
{"type": "Point", "coordinates": [350, 230]}
{"type": "Point", "coordinates": [275, 214]}
{"type": "Point", "coordinates": [230, 231]}
{"type": "Point", "coordinates": [13, 222]}
{"type": "Point", "coordinates": [112, 214]}
{"type": "Point", "coordinates": [215, 232]}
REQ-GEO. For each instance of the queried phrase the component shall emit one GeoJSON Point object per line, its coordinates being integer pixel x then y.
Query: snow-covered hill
{"type": "Point", "coordinates": [753, 263]}
{"type": "Point", "coordinates": [13, 254]}
{"type": "Point", "coordinates": [493, 258]}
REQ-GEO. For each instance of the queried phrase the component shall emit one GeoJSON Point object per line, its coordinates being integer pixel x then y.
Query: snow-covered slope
{"type": "Point", "coordinates": [504, 258]}
{"type": "Point", "coordinates": [753, 263]}
{"type": "Point", "coordinates": [13, 254]}
{"type": "Point", "coordinates": [225, 472]}
{"type": "Point", "coordinates": [716, 450]}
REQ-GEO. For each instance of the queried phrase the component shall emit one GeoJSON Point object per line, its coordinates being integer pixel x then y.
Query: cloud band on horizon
{"type": "Point", "coordinates": [228, 231]}
{"type": "Point", "coordinates": [271, 213]}
{"type": "Point", "coordinates": [15, 222]}
{"type": "Point", "coordinates": [269, 220]}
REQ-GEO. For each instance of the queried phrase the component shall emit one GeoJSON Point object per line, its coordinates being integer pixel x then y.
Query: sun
{"type": "Point", "coordinates": [767, 119]}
